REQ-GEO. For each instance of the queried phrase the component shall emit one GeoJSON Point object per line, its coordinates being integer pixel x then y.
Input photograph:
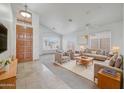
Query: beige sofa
{"type": "Point", "coordinates": [106, 64]}
{"type": "Point", "coordinates": [90, 53]}
{"type": "Point", "coordinates": [96, 54]}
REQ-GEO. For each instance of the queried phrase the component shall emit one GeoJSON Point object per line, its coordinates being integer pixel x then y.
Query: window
{"type": "Point", "coordinates": [51, 43]}
{"type": "Point", "coordinates": [93, 41]}
{"type": "Point", "coordinates": [101, 40]}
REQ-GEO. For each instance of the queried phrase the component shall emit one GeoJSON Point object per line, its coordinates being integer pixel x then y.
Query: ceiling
{"type": "Point", "coordinates": [64, 18]}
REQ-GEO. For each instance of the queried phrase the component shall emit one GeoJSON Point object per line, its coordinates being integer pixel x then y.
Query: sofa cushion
{"type": "Point", "coordinates": [87, 50]}
{"type": "Point", "coordinates": [65, 58]}
{"type": "Point", "coordinates": [102, 52]}
{"type": "Point", "coordinates": [66, 54]}
{"type": "Point", "coordinates": [98, 51]}
{"type": "Point", "coordinates": [76, 55]}
{"type": "Point", "coordinates": [77, 52]}
{"type": "Point", "coordinates": [59, 51]}
{"type": "Point", "coordinates": [113, 60]}
{"type": "Point", "coordinates": [96, 56]}
{"type": "Point", "coordinates": [106, 53]}
{"type": "Point", "coordinates": [118, 62]}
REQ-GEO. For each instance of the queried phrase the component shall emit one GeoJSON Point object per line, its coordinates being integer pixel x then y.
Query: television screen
{"type": "Point", "coordinates": [3, 38]}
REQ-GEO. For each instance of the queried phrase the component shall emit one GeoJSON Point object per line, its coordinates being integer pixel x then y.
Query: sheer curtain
{"type": "Point", "coordinates": [101, 40]}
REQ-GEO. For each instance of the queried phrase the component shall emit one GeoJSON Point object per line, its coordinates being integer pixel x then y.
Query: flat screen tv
{"type": "Point", "coordinates": [3, 38]}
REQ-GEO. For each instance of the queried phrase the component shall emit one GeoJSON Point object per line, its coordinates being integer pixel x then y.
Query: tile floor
{"type": "Point", "coordinates": [43, 74]}
{"type": "Point", "coordinates": [34, 75]}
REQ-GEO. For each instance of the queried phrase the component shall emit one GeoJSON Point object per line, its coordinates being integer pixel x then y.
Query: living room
{"type": "Point", "coordinates": [67, 44]}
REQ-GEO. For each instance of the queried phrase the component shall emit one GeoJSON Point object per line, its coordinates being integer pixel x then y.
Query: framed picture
{"type": "Point", "coordinates": [50, 43]}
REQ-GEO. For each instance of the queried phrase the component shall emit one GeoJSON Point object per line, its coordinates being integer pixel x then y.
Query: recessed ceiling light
{"type": "Point", "coordinates": [87, 24]}
{"type": "Point", "coordinates": [70, 20]}
{"type": "Point", "coordinates": [88, 12]}
{"type": "Point", "coordinates": [53, 28]}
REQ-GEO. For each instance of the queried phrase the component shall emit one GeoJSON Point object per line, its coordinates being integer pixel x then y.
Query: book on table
{"type": "Point", "coordinates": [109, 71]}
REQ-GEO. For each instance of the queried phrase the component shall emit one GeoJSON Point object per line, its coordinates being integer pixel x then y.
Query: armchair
{"type": "Point", "coordinates": [98, 66]}
{"type": "Point", "coordinates": [61, 58]}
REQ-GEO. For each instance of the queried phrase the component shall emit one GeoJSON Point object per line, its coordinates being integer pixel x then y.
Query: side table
{"type": "Point", "coordinates": [107, 81]}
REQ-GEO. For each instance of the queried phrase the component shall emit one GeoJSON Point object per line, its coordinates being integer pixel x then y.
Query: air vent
{"type": "Point", "coordinates": [70, 20]}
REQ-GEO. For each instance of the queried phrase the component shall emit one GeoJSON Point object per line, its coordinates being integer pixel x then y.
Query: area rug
{"type": "Point", "coordinates": [79, 69]}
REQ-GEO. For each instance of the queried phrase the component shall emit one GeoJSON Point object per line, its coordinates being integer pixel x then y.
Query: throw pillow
{"type": "Point", "coordinates": [106, 53]}
{"type": "Point", "coordinates": [118, 62]}
{"type": "Point", "coordinates": [93, 52]}
{"type": "Point", "coordinates": [102, 52]}
{"type": "Point", "coordinates": [81, 53]}
{"type": "Point", "coordinates": [87, 50]}
{"type": "Point", "coordinates": [65, 54]}
{"type": "Point", "coordinates": [113, 60]}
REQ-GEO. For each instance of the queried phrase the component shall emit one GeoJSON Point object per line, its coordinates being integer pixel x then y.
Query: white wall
{"type": "Point", "coordinates": [69, 38]}
{"type": "Point", "coordinates": [35, 25]}
{"type": "Point", "coordinates": [46, 32]}
{"type": "Point", "coordinates": [123, 30]}
{"type": "Point", "coordinates": [117, 35]}
{"type": "Point", "coordinates": [115, 29]}
{"type": "Point", "coordinates": [6, 18]}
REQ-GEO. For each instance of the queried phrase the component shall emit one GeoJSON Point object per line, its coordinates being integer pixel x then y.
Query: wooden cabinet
{"type": "Point", "coordinates": [8, 78]}
{"type": "Point", "coordinates": [24, 38]}
{"type": "Point", "coordinates": [106, 81]}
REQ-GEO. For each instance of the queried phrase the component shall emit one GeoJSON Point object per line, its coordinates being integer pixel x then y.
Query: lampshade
{"type": "Point", "coordinates": [25, 13]}
{"type": "Point", "coordinates": [115, 49]}
{"type": "Point", "coordinates": [82, 47]}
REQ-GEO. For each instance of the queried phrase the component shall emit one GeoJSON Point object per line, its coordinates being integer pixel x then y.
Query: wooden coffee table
{"type": "Point", "coordinates": [84, 60]}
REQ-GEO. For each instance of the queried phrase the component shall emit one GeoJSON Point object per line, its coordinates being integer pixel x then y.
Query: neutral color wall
{"type": "Point", "coordinates": [115, 29]}
{"type": "Point", "coordinates": [69, 38]}
{"type": "Point", "coordinates": [46, 32]}
{"type": "Point", "coordinates": [35, 25]}
{"type": "Point", "coordinates": [6, 18]}
{"type": "Point", "coordinates": [123, 30]}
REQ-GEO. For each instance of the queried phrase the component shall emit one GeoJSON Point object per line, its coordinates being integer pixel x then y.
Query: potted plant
{"type": "Point", "coordinates": [1, 65]}
{"type": "Point", "coordinates": [4, 65]}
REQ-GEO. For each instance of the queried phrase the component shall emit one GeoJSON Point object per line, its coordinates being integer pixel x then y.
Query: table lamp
{"type": "Point", "coordinates": [82, 47]}
{"type": "Point", "coordinates": [115, 49]}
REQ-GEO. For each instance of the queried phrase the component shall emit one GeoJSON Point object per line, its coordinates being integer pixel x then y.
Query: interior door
{"type": "Point", "coordinates": [24, 43]}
